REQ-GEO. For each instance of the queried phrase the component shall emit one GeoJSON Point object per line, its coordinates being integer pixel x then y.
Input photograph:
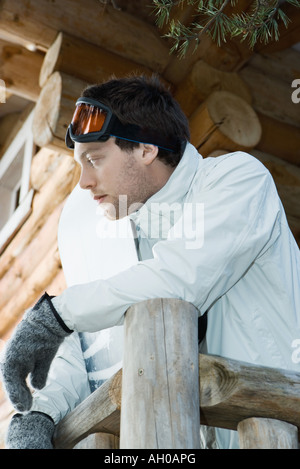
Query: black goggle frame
{"type": "Point", "coordinates": [112, 127]}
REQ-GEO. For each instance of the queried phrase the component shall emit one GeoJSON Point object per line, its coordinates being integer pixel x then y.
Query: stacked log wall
{"type": "Point", "coordinates": [234, 99]}
{"type": "Point", "coordinates": [31, 263]}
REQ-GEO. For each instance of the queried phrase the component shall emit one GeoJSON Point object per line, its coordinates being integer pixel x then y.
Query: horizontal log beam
{"type": "Point", "coordinates": [55, 191]}
{"type": "Point", "coordinates": [230, 391]}
{"type": "Point", "coordinates": [260, 433]}
{"type": "Point", "coordinates": [279, 139]}
{"type": "Point", "coordinates": [86, 61]}
{"type": "Point", "coordinates": [100, 412]}
{"type": "Point", "coordinates": [12, 283]}
{"type": "Point", "coordinates": [57, 285]}
{"type": "Point", "coordinates": [271, 96]}
{"type": "Point", "coordinates": [43, 165]}
{"type": "Point", "coordinates": [32, 288]}
{"type": "Point", "coordinates": [204, 80]}
{"type": "Point", "coordinates": [226, 121]}
{"type": "Point", "coordinates": [282, 65]}
{"type": "Point", "coordinates": [99, 441]}
{"type": "Point", "coordinates": [126, 35]}
{"type": "Point", "coordinates": [54, 111]}
{"type": "Point", "coordinates": [287, 36]}
{"type": "Point", "coordinates": [20, 70]}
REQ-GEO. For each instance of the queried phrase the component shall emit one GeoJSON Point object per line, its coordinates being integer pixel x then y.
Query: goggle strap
{"type": "Point", "coordinates": [135, 133]}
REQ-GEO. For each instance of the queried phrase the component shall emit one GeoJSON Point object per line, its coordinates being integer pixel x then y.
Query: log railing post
{"type": "Point", "coordinates": [264, 433]}
{"type": "Point", "coordinates": [160, 384]}
{"type": "Point", "coordinates": [98, 441]}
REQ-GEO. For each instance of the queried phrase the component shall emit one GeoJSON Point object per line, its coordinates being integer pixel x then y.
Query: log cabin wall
{"type": "Point", "coordinates": [234, 98]}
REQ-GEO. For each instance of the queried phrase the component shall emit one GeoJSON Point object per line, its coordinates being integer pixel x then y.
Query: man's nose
{"type": "Point", "coordinates": [87, 180]}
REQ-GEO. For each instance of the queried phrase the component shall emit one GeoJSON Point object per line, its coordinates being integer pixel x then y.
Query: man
{"type": "Point", "coordinates": [210, 231]}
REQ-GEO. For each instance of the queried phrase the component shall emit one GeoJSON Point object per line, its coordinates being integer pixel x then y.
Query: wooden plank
{"type": "Point", "coordinates": [260, 433]}
{"type": "Point", "coordinates": [12, 125]}
{"type": "Point", "coordinates": [7, 122]}
{"type": "Point", "coordinates": [100, 412]}
{"type": "Point", "coordinates": [15, 222]}
{"type": "Point", "coordinates": [126, 35]}
{"type": "Point", "coordinates": [160, 395]}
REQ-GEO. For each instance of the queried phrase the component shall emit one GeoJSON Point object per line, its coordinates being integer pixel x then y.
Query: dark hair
{"type": "Point", "coordinates": [141, 99]}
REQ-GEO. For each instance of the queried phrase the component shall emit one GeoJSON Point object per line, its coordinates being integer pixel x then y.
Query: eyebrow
{"type": "Point", "coordinates": [82, 156]}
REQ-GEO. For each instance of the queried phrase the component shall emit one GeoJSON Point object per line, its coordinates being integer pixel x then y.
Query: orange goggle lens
{"type": "Point", "coordinates": [87, 119]}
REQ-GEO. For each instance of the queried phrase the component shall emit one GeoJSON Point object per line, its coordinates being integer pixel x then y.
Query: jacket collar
{"type": "Point", "coordinates": [180, 180]}
{"type": "Point", "coordinates": [175, 189]}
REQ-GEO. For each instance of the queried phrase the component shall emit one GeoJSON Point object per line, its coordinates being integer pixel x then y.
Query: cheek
{"type": "Point", "coordinates": [122, 178]}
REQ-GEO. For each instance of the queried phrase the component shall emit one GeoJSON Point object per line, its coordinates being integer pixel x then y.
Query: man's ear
{"type": "Point", "coordinates": [149, 153]}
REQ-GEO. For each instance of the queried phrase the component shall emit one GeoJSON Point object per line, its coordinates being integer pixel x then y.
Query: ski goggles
{"type": "Point", "coordinates": [94, 122]}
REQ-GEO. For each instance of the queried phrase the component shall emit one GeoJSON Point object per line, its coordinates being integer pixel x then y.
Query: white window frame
{"type": "Point", "coordinates": [22, 142]}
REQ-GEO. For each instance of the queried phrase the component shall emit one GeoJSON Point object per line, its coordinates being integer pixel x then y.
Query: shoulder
{"type": "Point", "coordinates": [235, 166]}
{"type": "Point", "coordinates": [237, 159]}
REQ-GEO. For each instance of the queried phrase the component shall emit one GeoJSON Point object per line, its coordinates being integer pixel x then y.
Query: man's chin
{"type": "Point", "coordinates": [110, 217]}
{"type": "Point", "coordinates": [120, 210]}
{"type": "Point", "coordinates": [111, 213]}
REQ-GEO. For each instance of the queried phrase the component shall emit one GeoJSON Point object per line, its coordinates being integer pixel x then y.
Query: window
{"type": "Point", "coordinates": [15, 194]}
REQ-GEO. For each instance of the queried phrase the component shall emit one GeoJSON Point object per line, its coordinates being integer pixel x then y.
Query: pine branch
{"type": "Point", "coordinates": [260, 23]}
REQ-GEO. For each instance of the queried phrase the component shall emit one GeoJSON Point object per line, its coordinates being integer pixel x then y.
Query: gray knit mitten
{"type": "Point", "coordinates": [31, 350]}
{"type": "Point", "coordinates": [33, 430]}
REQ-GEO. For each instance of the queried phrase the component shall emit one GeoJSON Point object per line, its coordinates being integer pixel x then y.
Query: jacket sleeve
{"type": "Point", "coordinates": [196, 263]}
{"type": "Point", "coordinates": [67, 384]}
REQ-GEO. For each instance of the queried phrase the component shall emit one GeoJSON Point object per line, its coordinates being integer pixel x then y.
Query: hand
{"type": "Point", "coordinates": [31, 350]}
{"type": "Point", "coordinates": [30, 431]}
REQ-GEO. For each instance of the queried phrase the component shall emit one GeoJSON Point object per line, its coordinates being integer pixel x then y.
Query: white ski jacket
{"type": "Point", "coordinates": [227, 249]}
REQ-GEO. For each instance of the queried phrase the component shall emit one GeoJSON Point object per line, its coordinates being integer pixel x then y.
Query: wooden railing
{"type": "Point", "coordinates": [160, 393]}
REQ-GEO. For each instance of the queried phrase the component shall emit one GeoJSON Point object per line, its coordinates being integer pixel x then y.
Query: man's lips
{"type": "Point", "coordinates": [99, 198]}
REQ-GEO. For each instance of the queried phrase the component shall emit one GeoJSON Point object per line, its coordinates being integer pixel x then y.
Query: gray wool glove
{"type": "Point", "coordinates": [31, 350]}
{"type": "Point", "coordinates": [33, 430]}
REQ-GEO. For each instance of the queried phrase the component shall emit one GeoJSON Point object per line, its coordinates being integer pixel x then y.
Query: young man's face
{"type": "Point", "coordinates": [109, 172]}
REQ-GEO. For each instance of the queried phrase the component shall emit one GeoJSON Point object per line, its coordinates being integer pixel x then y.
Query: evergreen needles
{"type": "Point", "coordinates": [217, 18]}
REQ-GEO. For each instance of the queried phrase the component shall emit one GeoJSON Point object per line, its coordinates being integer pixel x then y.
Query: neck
{"type": "Point", "coordinates": [160, 174]}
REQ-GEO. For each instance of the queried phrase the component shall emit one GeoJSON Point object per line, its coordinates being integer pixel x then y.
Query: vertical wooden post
{"type": "Point", "coordinates": [160, 384]}
{"type": "Point", "coordinates": [98, 441]}
{"type": "Point", "coordinates": [263, 433]}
